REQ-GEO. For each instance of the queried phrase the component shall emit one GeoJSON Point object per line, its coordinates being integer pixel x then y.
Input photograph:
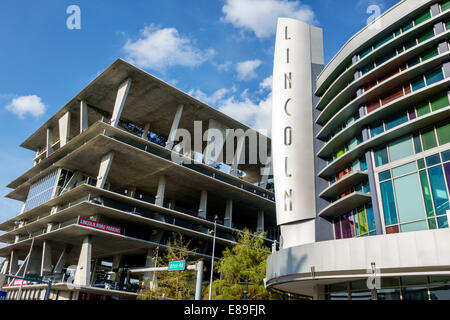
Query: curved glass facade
{"type": "Point", "coordinates": [390, 118]}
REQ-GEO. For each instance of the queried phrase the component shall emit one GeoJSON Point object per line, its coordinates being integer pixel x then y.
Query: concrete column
{"type": "Point", "coordinates": [238, 154]}
{"type": "Point", "coordinates": [146, 129]}
{"type": "Point", "coordinates": [228, 218]}
{"type": "Point", "coordinates": [122, 94]}
{"type": "Point", "coordinates": [83, 273]}
{"type": "Point", "coordinates": [61, 261]}
{"type": "Point", "coordinates": [260, 222]}
{"type": "Point", "coordinates": [131, 192]}
{"type": "Point", "coordinates": [84, 123]}
{"type": "Point", "coordinates": [13, 265]}
{"type": "Point", "coordinates": [64, 129]}
{"type": "Point", "coordinates": [159, 198]}
{"type": "Point", "coordinates": [46, 261]}
{"type": "Point", "coordinates": [173, 129]}
{"type": "Point", "coordinates": [319, 292]}
{"type": "Point", "coordinates": [49, 227]}
{"type": "Point", "coordinates": [117, 263]}
{"type": "Point", "coordinates": [443, 47]}
{"type": "Point", "coordinates": [203, 204]}
{"type": "Point", "coordinates": [49, 141]}
{"type": "Point", "coordinates": [435, 9]}
{"type": "Point", "coordinates": [105, 165]}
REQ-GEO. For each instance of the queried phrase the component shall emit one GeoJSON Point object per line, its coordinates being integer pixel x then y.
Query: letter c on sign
{"type": "Point", "coordinates": [285, 107]}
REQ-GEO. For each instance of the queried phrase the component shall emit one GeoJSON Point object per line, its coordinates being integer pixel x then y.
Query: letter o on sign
{"type": "Point", "coordinates": [288, 136]}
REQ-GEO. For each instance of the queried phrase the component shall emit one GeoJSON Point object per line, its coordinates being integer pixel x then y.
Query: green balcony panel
{"type": "Point", "coordinates": [426, 35]}
{"type": "Point", "coordinates": [440, 102]}
{"type": "Point", "coordinates": [422, 18]}
{"type": "Point", "coordinates": [428, 139]}
{"type": "Point", "coordinates": [443, 133]}
{"type": "Point", "coordinates": [423, 109]}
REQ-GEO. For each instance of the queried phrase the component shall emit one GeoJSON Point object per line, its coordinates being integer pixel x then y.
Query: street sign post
{"type": "Point", "coordinates": [33, 278]}
{"type": "Point", "coordinates": [177, 265]}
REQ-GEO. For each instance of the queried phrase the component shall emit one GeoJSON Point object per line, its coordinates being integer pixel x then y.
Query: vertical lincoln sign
{"type": "Point", "coordinates": [292, 126]}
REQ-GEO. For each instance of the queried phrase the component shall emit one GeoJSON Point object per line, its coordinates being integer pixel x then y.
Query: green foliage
{"type": "Point", "coordinates": [172, 285]}
{"type": "Point", "coordinates": [244, 262]}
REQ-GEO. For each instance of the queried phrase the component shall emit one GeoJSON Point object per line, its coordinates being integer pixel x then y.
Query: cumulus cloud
{"type": "Point", "coordinates": [254, 112]}
{"type": "Point", "coordinates": [23, 105]}
{"type": "Point", "coordinates": [246, 69]}
{"type": "Point", "coordinates": [260, 16]}
{"type": "Point", "coordinates": [159, 49]}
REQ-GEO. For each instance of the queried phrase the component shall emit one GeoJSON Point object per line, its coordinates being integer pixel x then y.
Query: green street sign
{"type": "Point", "coordinates": [177, 265]}
{"type": "Point", "coordinates": [33, 278]}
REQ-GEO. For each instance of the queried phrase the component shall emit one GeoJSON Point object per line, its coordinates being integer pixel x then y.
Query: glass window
{"type": "Point", "coordinates": [414, 226]}
{"type": "Point", "coordinates": [348, 229]}
{"type": "Point", "coordinates": [421, 164]}
{"type": "Point", "coordinates": [376, 129]}
{"type": "Point", "coordinates": [401, 148]}
{"type": "Point", "coordinates": [365, 52]}
{"type": "Point", "coordinates": [432, 160]}
{"type": "Point", "coordinates": [385, 58]}
{"type": "Point", "coordinates": [410, 44]}
{"type": "Point", "coordinates": [381, 157]}
{"type": "Point", "coordinates": [445, 6]}
{"type": "Point", "coordinates": [430, 54]}
{"type": "Point", "coordinates": [367, 68]}
{"type": "Point", "coordinates": [443, 133]}
{"type": "Point", "coordinates": [439, 102]}
{"type": "Point", "coordinates": [404, 169]}
{"type": "Point", "coordinates": [429, 139]}
{"type": "Point", "coordinates": [426, 193]}
{"type": "Point", "coordinates": [363, 163]}
{"type": "Point", "coordinates": [387, 195]}
{"type": "Point", "coordinates": [434, 76]}
{"type": "Point", "coordinates": [370, 217]}
{"type": "Point", "coordinates": [396, 121]}
{"type": "Point", "coordinates": [432, 224]}
{"type": "Point", "coordinates": [438, 190]}
{"type": "Point", "coordinates": [388, 294]}
{"type": "Point", "coordinates": [442, 292]}
{"type": "Point", "coordinates": [417, 143]}
{"type": "Point", "coordinates": [418, 83]}
{"type": "Point", "coordinates": [423, 109]}
{"type": "Point", "coordinates": [445, 156]}
{"type": "Point", "coordinates": [379, 44]}
{"type": "Point", "coordinates": [426, 35]}
{"type": "Point", "coordinates": [409, 198]}
{"type": "Point", "coordinates": [407, 27]}
{"type": "Point", "coordinates": [414, 61]}
{"type": "Point", "coordinates": [442, 222]}
{"type": "Point", "coordinates": [385, 175]}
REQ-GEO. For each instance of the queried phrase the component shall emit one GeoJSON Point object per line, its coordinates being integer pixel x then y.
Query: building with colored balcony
{"type": "Point", "coordinates": [364, 142]}
{"type": "Point", "coordinates": [113, 179]}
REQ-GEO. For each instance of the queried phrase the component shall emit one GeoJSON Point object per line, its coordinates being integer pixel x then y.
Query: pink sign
{"type": "Point", "coordinates": [17, 283]}
{"type": "Point", "coordinates": [99, 226]}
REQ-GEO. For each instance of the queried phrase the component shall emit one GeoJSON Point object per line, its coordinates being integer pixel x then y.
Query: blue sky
{"type": "Point", "coordinates": [220, 51]}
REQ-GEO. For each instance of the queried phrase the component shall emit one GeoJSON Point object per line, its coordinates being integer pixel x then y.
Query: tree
{"type": "Point", "coordinates": [176, 285]}
{"type": "Point", "coordinates": [244, 262]}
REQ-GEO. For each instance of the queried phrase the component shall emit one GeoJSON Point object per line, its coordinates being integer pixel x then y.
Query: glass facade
{"type": "Point", "coordinates": [41, 191]}
{"type": "Point", "coordinates": [359, 222]}
{"type": "Point", "coordinates": [393, 288]}
{"type": "Point", "coordinates": [415, 195]}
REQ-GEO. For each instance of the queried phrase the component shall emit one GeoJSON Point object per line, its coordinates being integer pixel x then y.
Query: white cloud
{"type": "Point", "coordinates": [256, 112]}
{"type": "Point", "coordinates": [260, 16]}
{"type": "Point", "coordinates": [27, 104]}
{"type": "Point", "coordinates": [246, 69]}
{"type": "Point", "coordinates": [159, 49]}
